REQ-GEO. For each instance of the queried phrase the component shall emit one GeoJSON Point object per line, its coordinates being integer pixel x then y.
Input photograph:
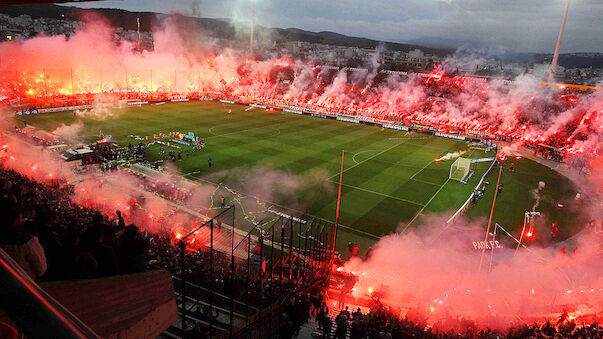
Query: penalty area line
{"type": "Point", "coordinates": [367, 159]}
{"type": "Point", "coordinates": [377, 193]}
{"type": "Point", "coordinates": [427, 204]}
{"type": "Point", "coordinates": [421, 170]}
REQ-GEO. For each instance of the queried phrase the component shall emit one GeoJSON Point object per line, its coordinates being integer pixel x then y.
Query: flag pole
{"type": "Point", "coordinates": [251, 31]}
{"type": "Point", "coordinates": [490, 221]}
{"type": "Point", "coordinates": [558, 46]}
{"type": "Point", "coordinates": [337, 210]}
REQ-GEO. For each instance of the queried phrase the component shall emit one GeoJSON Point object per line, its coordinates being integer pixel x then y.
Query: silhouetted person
{"type": "Point", "coordinates": [134, 249]}
{"type": "Point", "coordinates": [103, 254]}
{"type": "Point", "coordinates": [76, 261]}
{"type": "Point", "coordinates": [121, 223]}
{"type": "Point", "coordinates": [24, 248]}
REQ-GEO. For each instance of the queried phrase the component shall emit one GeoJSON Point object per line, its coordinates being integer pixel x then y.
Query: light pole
{"type": "Point", "coordinates": [559, 38]}
{"type": "Point", "coordinates": [251, 31]}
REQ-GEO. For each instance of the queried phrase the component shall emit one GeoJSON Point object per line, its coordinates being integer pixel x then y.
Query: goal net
{"type": "Point", "coordinates": [460, 169]}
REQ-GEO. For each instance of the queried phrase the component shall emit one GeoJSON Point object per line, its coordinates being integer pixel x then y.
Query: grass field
{"type": "Point", "coordinates": [390, 177]}
{"type": "Point", "coordinates": [516, 199]}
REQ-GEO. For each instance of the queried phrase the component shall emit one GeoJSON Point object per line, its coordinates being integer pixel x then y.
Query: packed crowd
{"type": "Point", "coordinates": [54, 239]}
{"type": "Point", "coordinates": [383, 322]}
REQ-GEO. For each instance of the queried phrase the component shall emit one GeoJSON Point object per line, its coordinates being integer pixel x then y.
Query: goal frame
{"type": "Point", "coordinates": [463, 164]}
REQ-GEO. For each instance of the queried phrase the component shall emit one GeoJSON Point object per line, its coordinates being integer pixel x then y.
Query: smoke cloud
{"type": "Point", "coordinates": [432, 269]}
{"type": "Point", "coordinates": [432, 272]}
{"type": "Point", "coordinates": [451, 155]}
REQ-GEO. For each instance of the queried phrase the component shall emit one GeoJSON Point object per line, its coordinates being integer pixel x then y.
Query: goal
{"type": "Point", "coordinates": [461, 170]}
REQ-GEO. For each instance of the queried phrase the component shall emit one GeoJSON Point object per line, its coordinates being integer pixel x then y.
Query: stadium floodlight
{"type": "Point", "coordinates": [558, 46]}
{"type": "Point", "coordinates": [460, 169]}
{"type": "Point", "coordinates": [251, 31]}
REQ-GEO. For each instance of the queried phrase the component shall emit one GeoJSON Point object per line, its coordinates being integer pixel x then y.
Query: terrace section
{"type": "Point", "coordinates": [140, 305]}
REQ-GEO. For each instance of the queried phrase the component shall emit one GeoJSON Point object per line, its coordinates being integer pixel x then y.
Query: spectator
{"type": "Point", "coordinates": [133, 251]}
{"type": "Point", "coordinates": [120, 223]}
{"type": "Point", "coordinates": [77, 262]}
{"type": "Point", "coordinates": [103, 254]}
{"type": "Point", "coordinates": [23, 247]}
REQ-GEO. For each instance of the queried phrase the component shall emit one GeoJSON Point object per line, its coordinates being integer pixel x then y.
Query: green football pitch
{"type": "Point", "coordinates": [390, 180]}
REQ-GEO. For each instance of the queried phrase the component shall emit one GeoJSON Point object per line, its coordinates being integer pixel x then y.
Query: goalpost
{"type": "Point", "coordinates": [461, 170]}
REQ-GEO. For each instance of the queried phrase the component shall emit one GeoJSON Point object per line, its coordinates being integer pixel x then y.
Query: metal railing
{"type": "Point", "coordinates": [250, 274]}
{"type": "Point", "coordinates": [35, 312]}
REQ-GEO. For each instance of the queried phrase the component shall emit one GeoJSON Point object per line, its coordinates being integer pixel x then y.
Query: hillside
{"type": "Point", "coordinates": [216, 27]}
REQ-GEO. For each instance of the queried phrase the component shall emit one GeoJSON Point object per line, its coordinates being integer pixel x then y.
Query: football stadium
{"type": "Point", "coordinates": [196, 190]}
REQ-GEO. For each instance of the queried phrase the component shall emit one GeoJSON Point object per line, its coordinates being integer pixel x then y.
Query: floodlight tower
{"type": "Point", "coordinates": [559, 38]}
{"type": "Point", "coordinates": [251, 31]}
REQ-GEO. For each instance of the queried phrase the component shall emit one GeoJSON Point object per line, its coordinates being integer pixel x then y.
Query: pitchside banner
{"type": "Point", "coordinates": [479, 245]}
{"type": "Point", "coordinates": [450, 136]}
{"type": "Point", "coordinates": [482, 160]}
{"type": "Point", "coordinates": [181, 142]}
{"type": "Point", "coordinates": [399, 128]}
{"type": "Point", "coordinates": [27, 112]}
{"type": "Point", "coordinates": [53, 109]}
{"type": "Point", "coordinates": [489, 143]}
{"type": "Point", "coordinates": [348, 120]}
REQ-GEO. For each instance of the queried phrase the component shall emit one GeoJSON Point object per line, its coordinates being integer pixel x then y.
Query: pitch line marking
{"type": "Point", "coordinates": [426, 182]}
{"type": "Point", "coordinates": [377, 193]}
{"type": "Point", "coordinates": [427, 204]}
{"type": "Point", "coordinates": [226, 135]}
{"type": "Point", "coordinates": [353, 230]}
{"type": "Point", "coordinates": [402, 138]}
{"type": "Point", "coordinates": [367, 159]}
{"type": "Point", "coordinates": [357, 153]}
{"type": "Point", "coordinates": [249, 129]}
{"type": "Point", "coordinates": [191, 173]}
{"type": "Point", "coordinates": [421, 170]}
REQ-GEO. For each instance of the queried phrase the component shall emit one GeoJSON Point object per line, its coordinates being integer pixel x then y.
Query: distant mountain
{"type": "Point", "coordinates": [223, 28]}
{"type": "Point", "coordinates": [441, 43]}
{"type": "Point", "coordinates": [333, 38]}
{"type": "Point", "coordinates": [568, 60]}
{"type": "Point", "coordinates": [220, 27]}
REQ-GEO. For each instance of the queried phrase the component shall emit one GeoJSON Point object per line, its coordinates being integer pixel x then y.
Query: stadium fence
{"type": "Point", "coordinates": [273, 263]}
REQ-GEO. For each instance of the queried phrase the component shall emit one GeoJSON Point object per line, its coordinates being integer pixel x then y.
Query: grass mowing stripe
{"type": "Point", "coordinates": [377, 193]}
{"type": "Point", "coordinates": [367, 159]}
{"type": "Point", "coordinates": [380, 193]}
{"type": "Point", "coordinates": [373, 236]}
{"type": "Point", "coordinates": [421, 170]}
{"type": "Point", "coordinates": [421, 210]}
{"type": "Point", "coordinates": [425, 182]}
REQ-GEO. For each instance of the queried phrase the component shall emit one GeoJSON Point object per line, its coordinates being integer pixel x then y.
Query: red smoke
{"type": "Point", "coordinates": [432, 272]}
{"type": "Point", "coordinates": [435, 270]}
{"type": "Point", "coordinates": [44, 69]}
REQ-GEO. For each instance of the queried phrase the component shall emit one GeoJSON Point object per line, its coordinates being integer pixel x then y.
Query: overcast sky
{"type": "Point", "coordinates": [516, 25]}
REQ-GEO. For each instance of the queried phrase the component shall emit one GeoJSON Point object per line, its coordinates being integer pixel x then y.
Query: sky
{"type": "Point", "coordinates": [513, 25]}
